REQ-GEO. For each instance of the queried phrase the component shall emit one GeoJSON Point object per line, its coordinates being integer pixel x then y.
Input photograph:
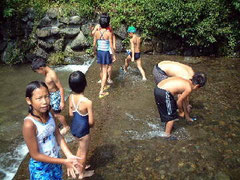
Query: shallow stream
{"type": "Point", "coordinates": [126, 141]}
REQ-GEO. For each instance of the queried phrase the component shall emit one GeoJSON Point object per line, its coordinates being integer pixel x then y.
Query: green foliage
{"type": "Point", "coordinates": [56, 58]}
{"type": "Point", "coordinates": [198, 23]}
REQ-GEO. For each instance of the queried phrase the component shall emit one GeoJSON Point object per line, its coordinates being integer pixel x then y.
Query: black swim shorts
{"type": "Point", "coordinates": [166, 104]}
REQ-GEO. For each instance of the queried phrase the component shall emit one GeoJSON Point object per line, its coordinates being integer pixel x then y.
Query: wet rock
{"type": "Point", "coordinates": [221, 176]}
{"type": "Point", "coordinates": [86, 28]}
{"type": "Point", "coordinates": [146, 47]}
{"type": "Point", "coordinates": [80, 42]}
{"type": "Point", "coordinates": [119, 45]}
{"type": "Point", "coordinates": [121, 32]}
{"type": "Point", "coordinates": [58, 45]}
{"type": "Point", "coordinates": [39, 52]}
{"type": "Point", "coordinates": [74, 20]}
{"type": "Point", "coordinates": [44, 32]}
{"type": "Point", "coordinates": [46, 21]}
{"type": "Point", "coordinates": [44, 44]}
{"type": "Point", "coordinates": [2, 175]}
{"type": "Point", "coordinates": [64, 20]}
{"type": "Point", "coordinates": [70, 31]}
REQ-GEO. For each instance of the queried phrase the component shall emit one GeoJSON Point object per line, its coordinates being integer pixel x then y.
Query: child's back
{"type": "Point", "coordinates": [176, 85]}
{"type": "Point", "coordinates": [136, 40]}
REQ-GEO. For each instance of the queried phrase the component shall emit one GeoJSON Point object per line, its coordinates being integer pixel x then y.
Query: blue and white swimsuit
{"type": "Point", "coordinates": [103, 53]}
{"type": "Point", "coordinates": [80, 124]}
{"type": "Point", "coordinates": [47, 145]}
{"type": "Point", "coordinates": [55, 100]}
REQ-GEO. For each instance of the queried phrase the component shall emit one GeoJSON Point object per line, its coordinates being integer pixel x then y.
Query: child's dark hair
{"type": "Point", "coordinates": [104, 20]}
{"type": "Point", "coordinates": [29, 91]}
{"type": "Point", "coordinates": [199, 78]}
{"type": "Point", "coordinates": [77, 82]}
{"type": "Point", "coordinates": [37, 63]}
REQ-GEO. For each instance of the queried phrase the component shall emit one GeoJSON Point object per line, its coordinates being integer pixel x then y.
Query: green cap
{"type": "Point", "coordinates": [131, 29]}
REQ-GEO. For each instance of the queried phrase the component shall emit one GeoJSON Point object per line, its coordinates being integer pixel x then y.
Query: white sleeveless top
{"type": "Point", "coordinates": [46, 139]}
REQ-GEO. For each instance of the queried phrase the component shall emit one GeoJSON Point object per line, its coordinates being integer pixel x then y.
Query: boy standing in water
{"type": "Point", "coordinates": [134, 55]}
{"type": "Point", "coordinates": [164, 97]}
{"type": "Point", "coordinates": [55, 89]}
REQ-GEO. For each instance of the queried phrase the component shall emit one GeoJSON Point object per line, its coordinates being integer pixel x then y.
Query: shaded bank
{"type": "Point", "coordinates": [126, 142]}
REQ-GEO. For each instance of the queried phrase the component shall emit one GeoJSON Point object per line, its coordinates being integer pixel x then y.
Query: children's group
{"type": "Point", "coordinates": [174, 83]}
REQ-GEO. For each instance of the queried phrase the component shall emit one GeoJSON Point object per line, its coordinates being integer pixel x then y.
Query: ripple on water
{"type": "Point", "coordinates": [152, 128]}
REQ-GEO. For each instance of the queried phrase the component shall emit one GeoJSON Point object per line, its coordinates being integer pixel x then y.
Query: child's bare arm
{"type": "Point", "coordinates": [96, 28]}
{"type": "Point", "coordinates": [70, 106]}
{"type": "Point", "coordinates": [95, 44]}
{"type": "Point", "coordinates": [60, 87]}
{"type": "Point", "coordinates": [181, 103]}
{"type": "Point", "coordinates": [132, 49]}
{"type": "Point", "coordinates": [90, 113]}
{"type": "Point", "coordinates": [111, 46]}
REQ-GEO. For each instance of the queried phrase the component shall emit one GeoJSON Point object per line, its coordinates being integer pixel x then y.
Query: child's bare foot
{"type": "Point", "coordinates": [64, 130]}
{"type": "Point", "coordinates": [109, 81]}
{"type": "Point", "coordinates": [86, 174]}
{"type": "Point", "coordinates": [106, 87]}
{"type": "Point", "coordinates": [103, 94]}
{"type": "Point", "coordinates": [144, 79]}
{"type": "Point", "coordinates": [87, 166]}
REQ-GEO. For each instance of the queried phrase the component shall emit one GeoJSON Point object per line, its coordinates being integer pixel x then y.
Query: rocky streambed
{"type": "Point", "coordinates": [126, 140]}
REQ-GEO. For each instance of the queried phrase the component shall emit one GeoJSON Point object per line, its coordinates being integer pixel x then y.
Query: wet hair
{"type": "Point", "coordinates": [37, 63]}
{"type": "Point", "coordinates": [77, 82]}
{"type": "Point", "coordinates": [29, 91]}
{"type": "Point", "coordinates": [104, 20]}
{"type": "Point", "coordinates": [199, 78]}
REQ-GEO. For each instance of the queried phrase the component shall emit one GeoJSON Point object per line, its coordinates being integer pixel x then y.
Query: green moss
{"type": "Point", "coordinates": [57, 59]}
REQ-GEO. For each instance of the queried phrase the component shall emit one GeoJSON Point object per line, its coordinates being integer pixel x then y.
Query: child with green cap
{"type": "Point", "coordinates": [134, 54]}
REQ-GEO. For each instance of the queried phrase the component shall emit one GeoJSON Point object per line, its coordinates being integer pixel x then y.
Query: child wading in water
{"type": "Point", "coordinates": [43, 138]}
{"type": "Point", "coordinates": [164, 96]}
{"type": "Point", "coordinates": [103, 42]}
{"type": "Point", "coordinates": [109, 28]}
{"type": "Point", "coordinates": [55, 88]}
{"type": "Point", "coordinates": [134, 55]}
{"type": "Point", "coordinates": [80, 108]}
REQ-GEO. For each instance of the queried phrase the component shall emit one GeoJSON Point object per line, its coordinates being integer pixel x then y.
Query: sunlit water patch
{"type": "Point", "coordinates": [153, 128]}
{"type": "Point", "coordinates": [10, 161]}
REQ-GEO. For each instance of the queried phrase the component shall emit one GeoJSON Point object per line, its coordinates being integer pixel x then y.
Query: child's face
{"type": "Point", "coordinates": [40, 71]}
{"type": "Point", "coordinates": [40, 100]}
{"type": "Point", "coordinates": [130, 34]}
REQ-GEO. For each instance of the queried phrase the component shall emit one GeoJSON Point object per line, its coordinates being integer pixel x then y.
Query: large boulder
{"type": "Point", "coordinates": [121, 31]}
{"type": "Point", "coordinates": [74, 20]}
{"type": "Point", "coordinates": [80, 42]}
{"type": "Point", "coordinates": [58, 45]}
{"type": "Point", "coordinates": [70, 32]}
{"type": "Point", "coordinates": [86, 28]}
{"type": "Point", "coordinates": [39, 52]}
{"type": "Point", "coordinates": [119, 45]}
{"type": "Point", "coordinates": [147, 46]}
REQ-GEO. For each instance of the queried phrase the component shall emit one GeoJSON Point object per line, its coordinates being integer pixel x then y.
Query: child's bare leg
{"type": "Point", "coordinates": [168, 128]}
{"type": "Point", "coordinates": [126, 64]}
{"type": "Point", "coordinates": [139, 65]}
{"type": "Point", "coordinates": [109, 70]}
{"type": "Point", "coordinates": [82, 153]}
{"type": "Point", "coordinates": [62, 120]}
{"type": "Point", "coordinates": [104, 77]}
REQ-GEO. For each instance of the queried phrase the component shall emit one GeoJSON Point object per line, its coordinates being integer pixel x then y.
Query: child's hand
{"type": "Point", "coordinates": [189, 108]}
{"type": "Point", "coordinates": [71, 169]}
{"type": "Point", "coordinates": [114, 58]}
{"type": "Point", "coordinates": [62, 105]}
